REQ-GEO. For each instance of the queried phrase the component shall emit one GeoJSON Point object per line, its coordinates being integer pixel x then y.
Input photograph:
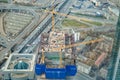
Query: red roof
{"type": "Point", "coordinates": [100, 59]}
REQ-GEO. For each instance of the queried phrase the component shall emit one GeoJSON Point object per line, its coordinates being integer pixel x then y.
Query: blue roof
{"type": "Point", "coordinates": [21, 65]}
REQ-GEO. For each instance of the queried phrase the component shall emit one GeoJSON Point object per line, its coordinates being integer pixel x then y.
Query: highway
{"type": "Point", "coordinates": [33, 44]}
{"type": "Point", "coordinates": [80, 76]}
{"type": "Point", "coordinates": [35, 33]}
{"type": "Point", "coordinates": [40, 28]}
{"type": "Point", "coordinates": [18, 39]}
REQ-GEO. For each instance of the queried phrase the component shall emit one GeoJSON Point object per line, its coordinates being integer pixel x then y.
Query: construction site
{"type": "Point", "coordinates": [58, 40]}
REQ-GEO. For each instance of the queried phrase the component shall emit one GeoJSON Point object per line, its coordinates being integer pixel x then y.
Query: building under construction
{"type": "Point", "coordinates": [54, 57]}
{"type": "Point", "coordinates": [53, 42]}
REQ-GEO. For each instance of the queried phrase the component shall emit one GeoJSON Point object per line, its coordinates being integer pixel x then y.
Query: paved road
{"type": "Point", "coordinates": [78, 76]}
{"type": "Point", "coordinates": [1, 24]}
{"type": "Point", "coordinates": [98, 28]}
{"type": "Point", "coordinates": [27, 30]}
{"type": "Point", "coordinates": [33, 34]}
{"type": "Point", "coordinates": [37, 30]}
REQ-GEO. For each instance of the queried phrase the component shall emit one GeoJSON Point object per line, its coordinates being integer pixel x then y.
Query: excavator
{"type": "Point", "coordinates": [62, 71]}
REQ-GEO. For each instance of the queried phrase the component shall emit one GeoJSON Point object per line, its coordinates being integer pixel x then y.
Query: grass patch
{"type": "Point", "coordinates": [74, 23]}
{"type": "Point", "coordinates": [93, 22]}
{"type": "Point", "coordinates": [79, 14]}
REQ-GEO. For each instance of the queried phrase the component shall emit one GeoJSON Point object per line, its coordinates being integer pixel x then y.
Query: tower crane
{"type": "Point", "coordinates": [61, 72]}
{"type": "Point", "coordinates": [69, 70]}
{"type": "Point", "coordinates": [74, 45]}
{"type": "Point", "coordinates": [77, 44]}
{"type": "Point", "coordinates": [43, 57]}
{"type": "Point", "coordinates": [70, 46]}
{"type": "Point", "coordinates": [53, 12]}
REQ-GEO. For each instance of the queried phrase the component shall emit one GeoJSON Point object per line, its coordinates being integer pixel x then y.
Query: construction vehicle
{"type": "Point", "coordinates": [62, 71]}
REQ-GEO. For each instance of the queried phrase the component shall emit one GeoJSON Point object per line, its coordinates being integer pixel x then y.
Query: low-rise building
{"type": "Point", "coordinates": [83, 68]}
{"type": "Point", "coordinates": [103, 72]}
{"type": "Point", "coordinates": [100, 59]}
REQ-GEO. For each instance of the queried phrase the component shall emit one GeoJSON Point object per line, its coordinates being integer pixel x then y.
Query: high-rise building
{"type": "Point", "coordinates": [114, 68]}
